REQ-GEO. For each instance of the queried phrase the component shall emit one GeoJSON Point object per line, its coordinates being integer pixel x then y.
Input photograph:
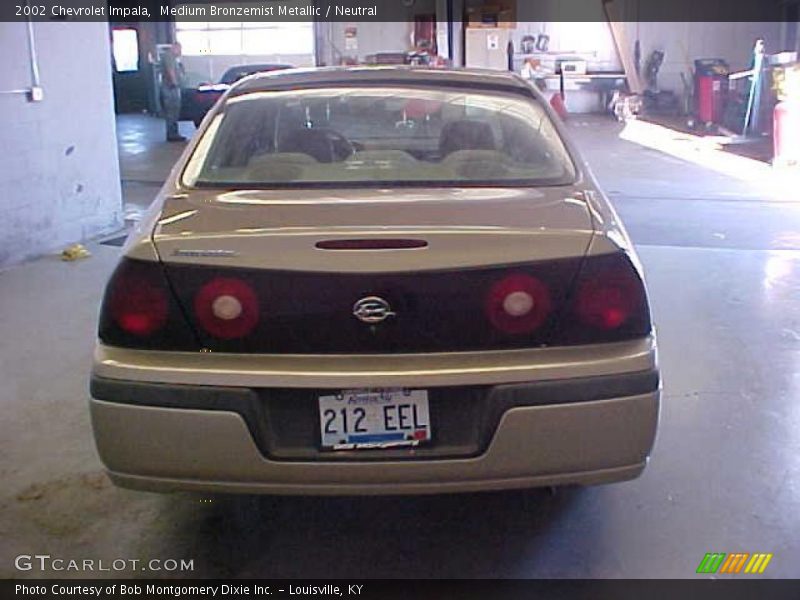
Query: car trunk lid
{"type": "Point", "coordinates": [460, 227]}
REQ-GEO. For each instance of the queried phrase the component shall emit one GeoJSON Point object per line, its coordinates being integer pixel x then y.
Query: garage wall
{"type": "Point", "coordinates": [371, 37]}
{"type": "Point", "coordinates": [685, 42]}
{"type": "Point", "coordinates": [59, 176]}
{"type": "Point", "coordinates": [681, 42]}
{"type": "Point", "coordinates": [590, 41]}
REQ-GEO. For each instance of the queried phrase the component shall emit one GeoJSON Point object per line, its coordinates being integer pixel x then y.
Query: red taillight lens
{"type": "Point", "coordinates": [227, 308]}
{"type": "Point", "coordinates": [609, 303]}
{"type": "Point", "coordinates": [518, 304]}
{"type": "Point", "coordinates": [139, 310]}
{"type": "Point", "coordinates": [206, 98]}
{"type": "Point", "coordinates": [607, 300]}
{"type": "Point", "coordinates": [138, 303]}
{"type": "Point", "coordinates": [371, 244]}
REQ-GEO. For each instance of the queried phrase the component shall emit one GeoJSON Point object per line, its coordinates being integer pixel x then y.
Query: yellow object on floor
{"type": "Point", "coordinates": [75, 252]}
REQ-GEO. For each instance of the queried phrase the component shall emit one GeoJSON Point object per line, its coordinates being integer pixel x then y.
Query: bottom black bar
{"type": "Point", "coordinates": [483, 589]}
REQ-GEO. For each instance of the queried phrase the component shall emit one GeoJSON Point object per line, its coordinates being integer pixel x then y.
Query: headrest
{"type": "Point", "coordinates": [314, 142]}
{"type": "Point", "coordinates": [466, 134]}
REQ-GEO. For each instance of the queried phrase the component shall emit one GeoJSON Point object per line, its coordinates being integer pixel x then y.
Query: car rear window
{"type": "Point", "coordinates": [361, 136]}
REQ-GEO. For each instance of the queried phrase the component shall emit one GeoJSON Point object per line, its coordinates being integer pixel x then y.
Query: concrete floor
{"type": "Point", "coordinates": [145, 159]}
{"type": "Point", "coordinates": [722, 256]}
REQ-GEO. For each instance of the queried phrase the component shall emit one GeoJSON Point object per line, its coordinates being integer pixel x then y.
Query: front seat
{"type": "Point", "coordinates": [466, 134]}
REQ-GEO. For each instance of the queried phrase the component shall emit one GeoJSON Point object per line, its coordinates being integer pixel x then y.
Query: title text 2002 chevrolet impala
{"type": "Point", "coordinates": [376, 280]}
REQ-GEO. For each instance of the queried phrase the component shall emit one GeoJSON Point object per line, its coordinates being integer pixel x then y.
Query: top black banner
{"type": "Point", "coordinates": [503, 13]}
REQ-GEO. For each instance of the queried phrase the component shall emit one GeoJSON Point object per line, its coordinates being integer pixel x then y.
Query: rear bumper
{"type": "Point", "coordinates": [370, 370]}
{"type": "Point", "coordinates": [175, 437]}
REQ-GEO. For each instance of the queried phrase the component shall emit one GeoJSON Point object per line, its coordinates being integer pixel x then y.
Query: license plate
{"type": "Point", "coordinates": [364, 419]}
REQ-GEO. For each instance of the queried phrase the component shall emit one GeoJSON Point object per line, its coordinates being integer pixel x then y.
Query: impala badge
{"type": "Point", "coordinates": [372, 310]}
{"type": "Point", "coordinates": [205, 253]}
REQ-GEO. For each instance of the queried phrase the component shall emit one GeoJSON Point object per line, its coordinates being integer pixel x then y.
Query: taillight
{"type": "Point", "coordinates": [569, 301]}
{"type": "Point", "coordinates": [138, 305]}
{"type": "Point", "coordinates": [206, 98]}
{"type": "Point", "coordinates": [518, 304]}
{"type": "Point", "coordinates": [609, 303]}
{"type": "Point", "coordinates": [227, 308]}
{"type": "Point", "coordinates": [606, 301]}
{"type": "Point", "coordinates": [139, 311]}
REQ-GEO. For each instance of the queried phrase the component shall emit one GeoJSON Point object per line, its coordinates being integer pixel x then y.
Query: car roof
{"type": "Point", "coordinates": [382, 74]}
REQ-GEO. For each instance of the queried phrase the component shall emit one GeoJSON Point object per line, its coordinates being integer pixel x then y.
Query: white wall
{"type": "Point", "coordinates": [681, 42]}
{"type": "Point", "coordinates": [685, 42]}
{"type": "Point", "coordinates": [590, 41]}
{"type": "Point", "coordinates": [59, 175]}
{"type": "Point", "coordinates": [371, 37]}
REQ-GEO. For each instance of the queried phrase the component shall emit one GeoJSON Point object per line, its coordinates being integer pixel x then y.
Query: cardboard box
{"type": "Point", "coordinates": [502, 14]}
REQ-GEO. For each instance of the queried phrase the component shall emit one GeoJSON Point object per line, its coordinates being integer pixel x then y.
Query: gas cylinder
{"type": "Point", "coordinates": [786, 133]}
{"type": "Point", "coordinates": [557, 102]}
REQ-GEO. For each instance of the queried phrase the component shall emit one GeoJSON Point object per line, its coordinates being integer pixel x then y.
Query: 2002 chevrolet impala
{"type": "Point", "coordinates": [376, 280]}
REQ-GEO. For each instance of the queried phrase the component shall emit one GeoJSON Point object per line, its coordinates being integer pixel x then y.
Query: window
{"type": "Point", "coordinates": [377, 136]}
{"type": "Point", "coordinates": [245, 38]}
{"type": "Point", "coordinates": [125, 46]}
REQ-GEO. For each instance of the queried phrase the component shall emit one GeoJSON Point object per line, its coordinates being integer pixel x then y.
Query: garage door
{"type": "Point", "coordinates": [210, 48]}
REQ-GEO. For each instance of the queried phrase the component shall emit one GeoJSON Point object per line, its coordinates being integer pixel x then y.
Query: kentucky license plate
{"type": "Point", "coordinates": [364, 419]}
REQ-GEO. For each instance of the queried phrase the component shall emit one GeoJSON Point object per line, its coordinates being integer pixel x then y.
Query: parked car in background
{"type": "Point", "coordinates": [197, 101]}
{"type": "Point", "coordinates": [377, 280]}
